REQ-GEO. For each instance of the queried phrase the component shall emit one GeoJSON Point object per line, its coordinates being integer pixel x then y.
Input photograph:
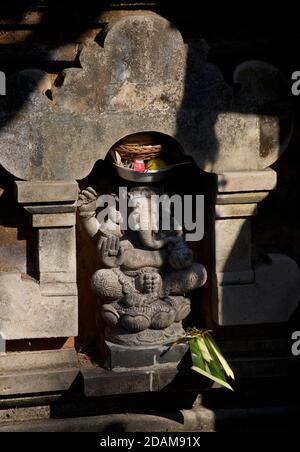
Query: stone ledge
{"type": "Point", "coordinates": [243, 181]}
{"type": "Point", "coordinates": [99, 382]}
{"type": "Point", "coordinates": [199, 419]}
{"type": "Point", "coordinates": [122, 356]}
{"type": "Point", "coordinates": [52, 220]}
{"type": "Point", "coordinates": [241, 197]}
{"type": "Point", "coordinates": [40, 191]}
{"type": "Point", "coordinates": [235, 210]}
{"type": "Point", "coordinates": [37, 372]}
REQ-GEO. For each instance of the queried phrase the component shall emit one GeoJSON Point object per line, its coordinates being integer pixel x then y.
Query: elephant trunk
{"type": "Point", "coordinates": [147, 239]}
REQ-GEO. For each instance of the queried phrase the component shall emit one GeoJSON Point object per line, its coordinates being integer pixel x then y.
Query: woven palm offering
{"type": "Point", "coordinates": [141, 147]}
{"type": "Point", "coordinates": [137, 151]}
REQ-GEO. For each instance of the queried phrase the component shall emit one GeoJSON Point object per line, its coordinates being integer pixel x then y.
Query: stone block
{"type": "Point", "coordinates": [120, 356]}
{"type": "Point", "coordinates": [243, 181]}
{"type": "Point", "coordinates": [57, 250]}
{"type": "Point", "coordinates": [57, 277]}
{"type": "Point", "coordinates": [13, 255]}
{"type": "Point", "coordinates": [233, 245]}
{"type": "Point", "coordinates": [235, 210]}
{"type": "Point", "coordinates": [37, 372]}
{"type": "Point", "coordinates": [236, 277]}
{"type": "Point", "coordinates": [271, 299]}
{"type": "Point", "coordinates": [25, 313]}
{"type": "Point", "coordinates": [46, 192]}
{"type": "Point", "coordinates": [241, 197]}
{"type": "Point", "coordinates": [58, 289]}
{"type": "Point", "coordinates": [37, 209]}
{"type": "Point", "coordinates": [101, 382]}
{"type": "Point", "coordinates": [52, 220]}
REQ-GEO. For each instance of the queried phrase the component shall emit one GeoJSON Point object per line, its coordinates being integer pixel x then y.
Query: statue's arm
{"type": "Point", "coordinates": [87, 211]}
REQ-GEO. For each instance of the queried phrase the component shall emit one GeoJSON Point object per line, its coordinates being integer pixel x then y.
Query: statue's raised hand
{"type": "Point", "coordinates": [111, 253]}
{"type": "Point", "coordinates": [87, 202]}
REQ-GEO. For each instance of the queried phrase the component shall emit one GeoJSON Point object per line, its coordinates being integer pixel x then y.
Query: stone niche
{"type": "Point", "coordinates": [144, 272]}
{"type": "Point", "coordinates": [144, 79]}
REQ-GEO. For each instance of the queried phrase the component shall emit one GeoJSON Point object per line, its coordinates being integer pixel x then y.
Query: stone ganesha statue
{"type": "Point", "coordinates": [145, 272]}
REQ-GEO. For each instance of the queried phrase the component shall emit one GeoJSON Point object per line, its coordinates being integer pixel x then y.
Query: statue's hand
{"type": "Point", "coordinates": [110, 251]}
{"type": "Point", "coordinates": [87, 202]}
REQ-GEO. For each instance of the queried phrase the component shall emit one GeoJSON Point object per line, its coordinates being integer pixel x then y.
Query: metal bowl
{"type": "Point", "coordinates": [145, 176]}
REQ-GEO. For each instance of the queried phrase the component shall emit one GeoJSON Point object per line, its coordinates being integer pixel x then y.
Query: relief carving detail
{"type": "Point", "coordinates": [145, 273]}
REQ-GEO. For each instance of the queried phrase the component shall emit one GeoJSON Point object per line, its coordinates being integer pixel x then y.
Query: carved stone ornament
{"type": "Point", "coordinates": [145, 275]}
{"type": "Point", "coordinates": [144, 78]}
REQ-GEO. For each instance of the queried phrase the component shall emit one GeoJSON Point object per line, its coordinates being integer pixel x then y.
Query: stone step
{"type": "Point", "coordinates": [277, 418]}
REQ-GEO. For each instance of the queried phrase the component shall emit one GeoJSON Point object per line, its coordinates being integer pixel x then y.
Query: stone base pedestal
{"type": "Point", "coordinates": [147, 338]}
{"type": "Point", "coordinates": [120, 356]}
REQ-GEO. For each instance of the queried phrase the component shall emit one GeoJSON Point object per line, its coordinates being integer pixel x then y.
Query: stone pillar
{"type": "Point", "coordinates": [43, 306]}
{"type": "Point", "coordinates": [52, 208]}
{"type": "Point", "coordinates": [245, 293]}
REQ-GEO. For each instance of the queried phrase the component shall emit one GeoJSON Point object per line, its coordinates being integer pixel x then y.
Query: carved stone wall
{"type": "Point", "coordinates": [144, 78]}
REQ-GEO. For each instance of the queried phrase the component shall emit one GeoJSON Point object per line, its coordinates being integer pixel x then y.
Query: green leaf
{"type": "Point", "coordinates": [212, 377]}
{"type": "Point", "coordinates": [196, 353]}
{"type": "Point", "coordinates": [214, 349]}
{"type": "Point", "coordinates": [216, 369]}
{"type": "Point", "coordinates": [214, 365]}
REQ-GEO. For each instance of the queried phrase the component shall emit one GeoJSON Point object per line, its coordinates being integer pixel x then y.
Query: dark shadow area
{"type": "Point", "coordinates": [73, 405]}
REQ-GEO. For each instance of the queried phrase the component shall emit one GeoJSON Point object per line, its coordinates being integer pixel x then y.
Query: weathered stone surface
{"type": "Point", "coordinates": [24, 413]}
{"type": "Point", "coordinates": [235, 210]}
{"type": "Point", "coordinates": [25, 313]}
{"type": "Point", "coordinates": [233, 244]}
{"type": "Point", "coordinates": [58, 289]}
{"type": "Point", "coordinates": [248, 293]}
{"type": "Point", "coordinates": [57, 277]}
{"type": "Point", "coordinates": [101, 382]}
{"type": "Point", "coordinates": [144, 79]}
{"type": "Point", "coordinates": [37, 372]}
{"type": "Point", "coordinates": [47, 209]}
{"type": "Point", "coordinates": [46, 192]}
{"type": "Point", "coordinates": [48, 307]}
{"type": "Point", "coordinates": [235, 277]}
{"type": "Point", "coordinates": [56, 247]}
{"type": "Point", "coordinates": [246, 197]}
{"type": "Point", "coordinates": [53, 219]}
{"type": "Point", "coordinates": [277, 418]}
{"type": "Point", "coordinates": [122, 356]}
{"type": "Point", "coordinates": [247, 181]}
{"type": "Point", "coordinates": [13, 255]}
{"type": "Point", "coordinates": [272, 298]}
{"type": "Point", "coordinates": [166, 421]}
